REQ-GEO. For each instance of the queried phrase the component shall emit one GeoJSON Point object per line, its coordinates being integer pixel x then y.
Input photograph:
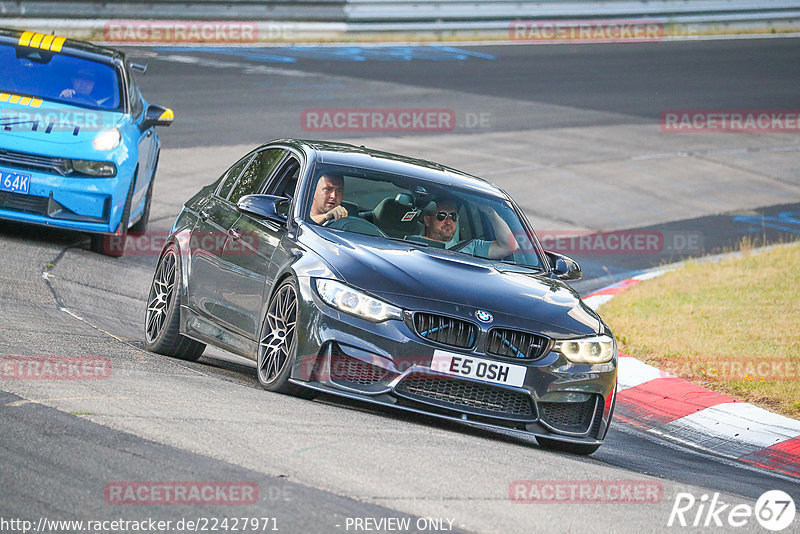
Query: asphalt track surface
{"type": "Point", "coordinates": [318, 463]}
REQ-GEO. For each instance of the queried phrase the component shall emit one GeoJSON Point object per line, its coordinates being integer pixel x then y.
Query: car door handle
{"type": "Point", "coordinates": [235, 234]}
{"type": "Point", "coordinates": [204, 215]}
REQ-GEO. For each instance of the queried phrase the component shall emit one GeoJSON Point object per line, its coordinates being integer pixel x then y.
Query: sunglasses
{"type": "Point", "coordinates": [442, 215]}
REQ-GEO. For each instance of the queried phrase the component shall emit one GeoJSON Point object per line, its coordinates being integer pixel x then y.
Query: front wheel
{"type": "Point", "coordinates": [114, 245]}
{"type": "Point", "coordinates": [584, 449]}
{"type": "Point", "coordinates": [162, 320]}
{"type": "Point", "coordinates": [141, 225]}
{"type": "Point", "coordinates": [277, 346]}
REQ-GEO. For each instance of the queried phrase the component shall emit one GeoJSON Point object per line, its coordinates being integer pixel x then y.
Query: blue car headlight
{"type": "Point", "coordinates": [346, 299]}
{"type": "Point", "coordinates": [595, 349]}
{"type": "Point", "coordinates": [93, 168]}
{"type": "Point", "coordinates": [107, 139]}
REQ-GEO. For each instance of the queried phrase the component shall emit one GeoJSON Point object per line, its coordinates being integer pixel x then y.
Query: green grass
{"type": "Point", "coordinates": [732, 326]}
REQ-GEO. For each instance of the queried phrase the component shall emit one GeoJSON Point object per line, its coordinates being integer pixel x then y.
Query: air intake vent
{"type": "Point", "coordinates": [445, 330]}
{"type": "Point", "coordinates": [24, 203]}
{"type": "Point", "coordinates": [354, 371]}
{"type": "Point", "coordinates": [22, 160]}
{"type": "Point", "coordinates": [466, 396]}
{"type": "Point", "coordinates": [517, 345]}
{"type": "Point", "coordinates": [575, 417]}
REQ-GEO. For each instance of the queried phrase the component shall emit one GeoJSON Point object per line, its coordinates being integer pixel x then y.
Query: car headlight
{"type": "Point", "coordinates": [94, 168]}
{"type": "Point", "coordinates": [595, 349]}
{"type": "Point", "coordinates": [107, 139]}
{"type": "Point", "coordinates": [354, 302]}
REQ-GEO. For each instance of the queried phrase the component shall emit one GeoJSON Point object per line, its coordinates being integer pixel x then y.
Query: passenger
{"type": "Point", "coordinates": [441, 224]}
{"type": "Point", "coordinates": [327, 203]}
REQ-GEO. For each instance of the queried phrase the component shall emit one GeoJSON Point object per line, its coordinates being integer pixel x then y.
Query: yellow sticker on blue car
{"type": "Point", "coordinates": [21, 100]}
{"type": "Point", "coordinates": [42, 41]}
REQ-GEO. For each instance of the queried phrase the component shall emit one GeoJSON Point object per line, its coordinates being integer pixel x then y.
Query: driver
{"type": "Point", "coordinates": [327, 203]}
{"type": "Point", "coordinates": [83, 83]}
{"type": "Point", "coordinates": [441, 223]}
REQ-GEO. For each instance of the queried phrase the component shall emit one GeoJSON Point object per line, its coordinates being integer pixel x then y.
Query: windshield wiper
{"type": "Point", "coordinates": [530, 267]}
{"type": "Point", "coordinates": [408, 241]}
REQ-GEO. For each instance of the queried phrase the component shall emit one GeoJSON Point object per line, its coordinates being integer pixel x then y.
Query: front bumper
{"type": "Point", "coordinates": [86, 204]}
{"type": "Point", "coordinates": [390, 364]}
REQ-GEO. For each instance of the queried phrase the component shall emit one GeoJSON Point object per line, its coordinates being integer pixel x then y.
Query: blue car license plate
{"type": "Point", "coordinates": [15, 182]}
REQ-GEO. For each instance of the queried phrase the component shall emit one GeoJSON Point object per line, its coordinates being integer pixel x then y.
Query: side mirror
{"type": "Point", "coordinates": [157, 116]}
{"type": "Point", "coordinates": [565, 268]}
{"type": "Point", "coordinates": [265, 207]}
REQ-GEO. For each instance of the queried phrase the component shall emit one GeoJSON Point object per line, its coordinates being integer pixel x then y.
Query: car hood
{"type": "Point", "coordinates": [53, 123]}
{"type": "Point", "coordinates": [417, 278]}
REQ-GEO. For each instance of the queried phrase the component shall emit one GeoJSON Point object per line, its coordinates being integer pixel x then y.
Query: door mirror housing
{"type": "Point", "coordinates": [157, 116]}
{"type": "Point", "coordinates": [265, 207]}
{"type": "Point", "coordinates": [564, 267]}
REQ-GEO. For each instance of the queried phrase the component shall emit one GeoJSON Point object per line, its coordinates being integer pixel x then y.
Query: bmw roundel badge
{"type": "Point", "coordinates": [484, 316]}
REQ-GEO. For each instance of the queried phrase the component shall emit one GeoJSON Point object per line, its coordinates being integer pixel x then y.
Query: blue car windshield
{"type": "Point", "coordinates": [59, 77]}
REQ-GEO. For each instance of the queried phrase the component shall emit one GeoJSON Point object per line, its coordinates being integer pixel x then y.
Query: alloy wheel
{"type": "Point", "coordinates": [277, 334]}
{"type": "Point", "coordinates": [161, 293]}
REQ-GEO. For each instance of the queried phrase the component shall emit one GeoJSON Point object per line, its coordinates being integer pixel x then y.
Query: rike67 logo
{"type": "Point", "coordinates": [774, 510]}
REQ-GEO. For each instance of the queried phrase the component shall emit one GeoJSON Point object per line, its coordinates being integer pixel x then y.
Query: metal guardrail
{"type": "Point", "coordinates": [307, 10]}
{"type": "Point", "coordinates": [397, 11]}
{"type": "Point", "coordinates": [450, 10]}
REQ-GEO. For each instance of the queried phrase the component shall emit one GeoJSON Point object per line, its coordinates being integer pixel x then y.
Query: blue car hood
{"type": "Point", "coordinates": [52, 124]}
{"type": "Point", "coordinates": [424, 278]}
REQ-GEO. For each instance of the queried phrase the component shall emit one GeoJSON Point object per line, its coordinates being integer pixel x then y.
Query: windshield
{"type": "Point", "coordinates": [58, 77]}
{"type": "Point", "coordinates": [423, 213]}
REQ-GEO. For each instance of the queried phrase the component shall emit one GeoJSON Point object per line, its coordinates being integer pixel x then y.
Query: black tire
{"type": "Point", "coordinates": [583, 449]}
{"type": "Point", "coordinates": [109, 245]}
{"type": "Point", "coordinates": [141, 225]}
{"type": "Point", "coordinates": [162, 318]}
{"type": "Point", "coordinates": [114, 245]}
{"type": "Point", "coordinates": [277, 346]}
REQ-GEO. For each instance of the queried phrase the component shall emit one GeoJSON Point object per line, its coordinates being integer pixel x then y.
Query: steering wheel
{"type": "Point", "coordinates": [354, 224]}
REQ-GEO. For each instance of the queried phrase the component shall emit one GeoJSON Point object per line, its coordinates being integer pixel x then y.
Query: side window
{"type": "Point", "coordinates": [135, 96]}
{"type": "Point", "coordinates": [230, 176]}
{"type": "Point", "coordinates": [285, 180]}
{"type": "Point", "coordinates": [256, 174]}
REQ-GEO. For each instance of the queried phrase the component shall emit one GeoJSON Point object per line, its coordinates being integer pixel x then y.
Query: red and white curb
{"type": "Point", "coordinates": [663, 404]}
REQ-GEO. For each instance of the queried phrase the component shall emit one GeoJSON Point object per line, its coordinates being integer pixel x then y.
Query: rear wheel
{"type": "Point", "coordinates": [162, 320]}
{"type": "Point", "coordinates": [277, 346]}
{"type": "Point", "coordinates": [583, 449]}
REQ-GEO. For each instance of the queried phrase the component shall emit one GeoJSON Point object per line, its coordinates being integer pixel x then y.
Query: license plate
{"type": "Point", "coordinates": [455, 364]}
{"type": "Point", "coordinates": [15, 182]}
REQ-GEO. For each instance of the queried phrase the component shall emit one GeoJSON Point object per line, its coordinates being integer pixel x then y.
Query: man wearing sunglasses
{"type": "Point", "coordinates": [442, 222]}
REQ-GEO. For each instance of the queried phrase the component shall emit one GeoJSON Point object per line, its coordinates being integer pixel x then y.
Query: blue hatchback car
{"type": "Point", "coordinates": [78, 145]}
